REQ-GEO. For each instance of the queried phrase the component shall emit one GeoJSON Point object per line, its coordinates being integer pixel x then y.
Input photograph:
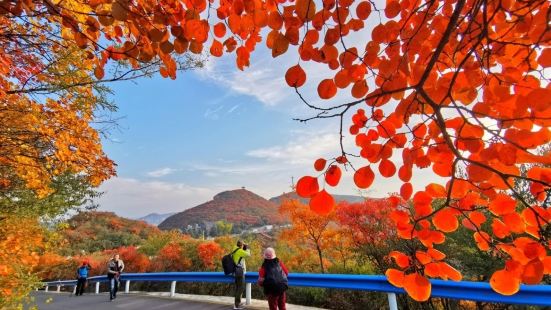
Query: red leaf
{"type": "Point", "coordinates": [307, 186]}
{"type": "Point", "coordinates": [322, 203]}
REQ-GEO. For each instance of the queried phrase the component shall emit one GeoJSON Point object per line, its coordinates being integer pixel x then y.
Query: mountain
{"type": "Point", "coordinates": [97, 231]}
{"type": "Point", "coordinates": [338, 198]}
{"type": "Point", "coordinates": [155, 218]}
{"type": "Point", "coordinates": [240, 207]}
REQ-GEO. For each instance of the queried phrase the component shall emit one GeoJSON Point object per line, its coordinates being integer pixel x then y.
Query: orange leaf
{"type": "Point", "coordinates": [435, 254]}
{"type": "Point", "coordinates": [392, 9]}
{"type": "Point", "coordinates": [400, 258]}
{"type": "Point", "coordinates": [406, 190]}
{"type": "Point", "coordinates": [533, 272]}
{"type": "Point", "coordinates": [363, 10]}
{"type": "Point", "coordinates": [477, 218]}
{"type": "Point", "coordinates": [327, 89]}
{"type": "Point", "coordinates": [295, 76]}
{"type": "Point", "coordinates": [445, 220]}
{"type": "Point", "coordinates": [436, 190]}
{"type": "Point", "coordinates": [448, 272]}
{"type": "Point", "coordinates": [319, 164]}
{"type": "Point", "coordinates": [387, 168]}
{"type": "Point", "coordinates": [220, 30]}
{"type": "Point", "coordinates": [322, 203]}
{"type": "Point", "coordinates": [216, 48]}
{"type": "Point", "coordinates": [307, 186]}
{"type": "Point", "coordinates": [363, 177]}
{"type": "Point", "coordinates": [482, 239]}
{"type": "Point", "coordinates": [423, 257]}
{"type": "Point", "coordinates": [500, 229]}
{"type": "Point", "coordinates": [502, 204]}
{"type": "Point", "coordinates": [417, 286]}
{"type": "Point", "coordinates": [504, 282]}
{"type": "Point", "coordinates": [404, 173]}
{"type": "Point", "coordinates": [545, 58]}
{"type": "Point", "coordinates": [305, 9]}
{"type": "Point", "coordinates": [333, 175]}
{"type": "Point", "coordinates": [395, 277]}
{"type": "Point", "coordinates": [99, 73]}
{"type": "Point", "coordinates": [281, 44]}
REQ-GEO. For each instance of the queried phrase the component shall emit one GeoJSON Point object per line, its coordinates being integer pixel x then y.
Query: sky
{"type": "Point", "coordinates": [178, 143]}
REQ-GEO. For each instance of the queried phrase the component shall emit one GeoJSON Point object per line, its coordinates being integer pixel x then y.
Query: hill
{"type": "Point", "coordinates": [338, 198]}
{"type": "Point", "coordinates": [96, 231]}
{"type": "Point", "coordinates": [240, 207]}
{"type": "Point", "coordinates": [155, 218]}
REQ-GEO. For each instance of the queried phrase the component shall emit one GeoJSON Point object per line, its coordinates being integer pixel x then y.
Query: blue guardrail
{"type": "Point", "coordinates": [538, 295]}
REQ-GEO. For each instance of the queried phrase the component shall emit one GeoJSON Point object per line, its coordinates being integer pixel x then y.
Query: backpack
{"type": "Point", "coordinates": [275, 280]}
{"type": "Point", "coordinates": [228, 264]}
{"type": "Point", "coordinates": [83, 272]}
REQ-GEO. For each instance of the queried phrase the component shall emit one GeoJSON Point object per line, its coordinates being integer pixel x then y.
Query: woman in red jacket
{"type": "Point", "coordinates": [272, 276]}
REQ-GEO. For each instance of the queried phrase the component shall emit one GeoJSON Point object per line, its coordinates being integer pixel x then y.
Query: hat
{"type": "Point", "coordinates": [269, 253]}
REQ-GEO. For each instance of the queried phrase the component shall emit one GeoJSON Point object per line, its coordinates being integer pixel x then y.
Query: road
{"type": "Point", "coordinates": [66, 301]}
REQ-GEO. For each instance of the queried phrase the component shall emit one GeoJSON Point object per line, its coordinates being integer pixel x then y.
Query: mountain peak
{"type": "Point", "coordinates": [240, 207]}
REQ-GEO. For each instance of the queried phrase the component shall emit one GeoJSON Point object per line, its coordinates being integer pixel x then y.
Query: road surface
{"type": "Point", "coordinates": [67, 301]}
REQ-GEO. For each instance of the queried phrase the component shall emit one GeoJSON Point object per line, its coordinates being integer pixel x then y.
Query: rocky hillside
{"type": "Point", "coordinates": [240, 207]}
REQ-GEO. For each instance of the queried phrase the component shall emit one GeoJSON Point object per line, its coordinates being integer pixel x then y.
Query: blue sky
{"type": "Point", "coordinates": [213, 129]}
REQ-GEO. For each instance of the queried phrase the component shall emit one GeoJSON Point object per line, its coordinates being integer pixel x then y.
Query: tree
{"type": "Point", "coordinates": [370, 229]}
{"type": "Point", "coordinates": [308, 229]}
{"type": "Point", "coordinates": [210, 254]}
{"type": "Point", "coordinates": [455, 85]}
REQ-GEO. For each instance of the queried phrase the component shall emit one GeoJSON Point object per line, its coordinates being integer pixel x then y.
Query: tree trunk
{"type": "Point", "coordinates": [321, 258]}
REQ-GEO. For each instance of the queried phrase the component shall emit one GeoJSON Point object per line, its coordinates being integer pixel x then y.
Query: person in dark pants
{"type": "Point", "coordinates": [114, 270]}
{"type": "Point", "coordinates": [272, 276]}
{"type": "Point", "coordinates": [82, 276]}
{"type": "Point", "coordinates": [239, 253]}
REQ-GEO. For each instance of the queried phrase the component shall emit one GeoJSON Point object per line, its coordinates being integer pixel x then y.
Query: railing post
{"type": "Point", "coordinates": [97, 287]}
{"type": "Point", "coordinates": [46, 289]}
{"type": "Point", "coordinates": [172, 288]}
{"type": "Point", "coordinates": [127, 287]}
{"type": "Point", "coordinates": [392, 304]}
{"type": "Point", "coordinates": [74, 290]}
{"type": "Point", "coordinates": [248, 293]}
{"type": "Point", "coordinates": [58, 288]}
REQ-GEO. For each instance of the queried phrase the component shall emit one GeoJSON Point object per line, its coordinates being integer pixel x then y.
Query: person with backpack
{"type": "Point", "coordinates": [114, 270]}
{"type": "Point", "coordinates": [82, 276]}
{"type": "Point", "coordinates": [272, 276]}
{"type": "Point", "coordinates": [239, 253]}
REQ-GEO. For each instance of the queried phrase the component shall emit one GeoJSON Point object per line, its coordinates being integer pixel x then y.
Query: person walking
{"type": "Point", "coordinates": [114, 270]}
{"type": "Point", "coordinates": [272, 276]}
{"type": "Point", "coordinates": [82, 276]}
{"type": "Point", "coordinates": [240, 252]}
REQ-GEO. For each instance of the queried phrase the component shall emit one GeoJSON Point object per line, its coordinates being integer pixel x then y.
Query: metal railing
{"type": "Point", "coordinates": [539, 295]}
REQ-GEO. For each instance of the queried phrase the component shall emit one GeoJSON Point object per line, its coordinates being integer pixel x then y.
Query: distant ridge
{"type": "Point", "coordinates": [155, 218]}
{"type": "Point", "coordinates": [338, 198]}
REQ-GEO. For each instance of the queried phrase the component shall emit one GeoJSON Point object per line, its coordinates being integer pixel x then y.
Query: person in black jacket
{"type": "Point", "coordinates": [272, 276]}
{"type": "Point", "coordinates": [114, 270]}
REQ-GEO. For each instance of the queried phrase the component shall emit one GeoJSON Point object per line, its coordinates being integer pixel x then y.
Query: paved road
{"type": "Point", "coordinates": [66, 301]}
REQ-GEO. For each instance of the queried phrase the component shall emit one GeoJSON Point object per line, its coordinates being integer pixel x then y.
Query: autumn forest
{"type": "Point", "coordinates": [458, 89]}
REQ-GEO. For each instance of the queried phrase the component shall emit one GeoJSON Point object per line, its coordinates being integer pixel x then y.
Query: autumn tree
{"type": "Point", "coordinates": [210, 254]}
{"type": "Point", "coordinates": [371, 230]}
{"type": "Point", "coordinates": [308, 229]}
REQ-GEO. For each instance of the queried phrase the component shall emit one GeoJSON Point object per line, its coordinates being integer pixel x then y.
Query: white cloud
{"type": "Point", "coordinates": [134, 198]}
{"type": "Point", "coordinates": [161, 172]}
{"type": "Point", "coordinates": [303, 150]}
